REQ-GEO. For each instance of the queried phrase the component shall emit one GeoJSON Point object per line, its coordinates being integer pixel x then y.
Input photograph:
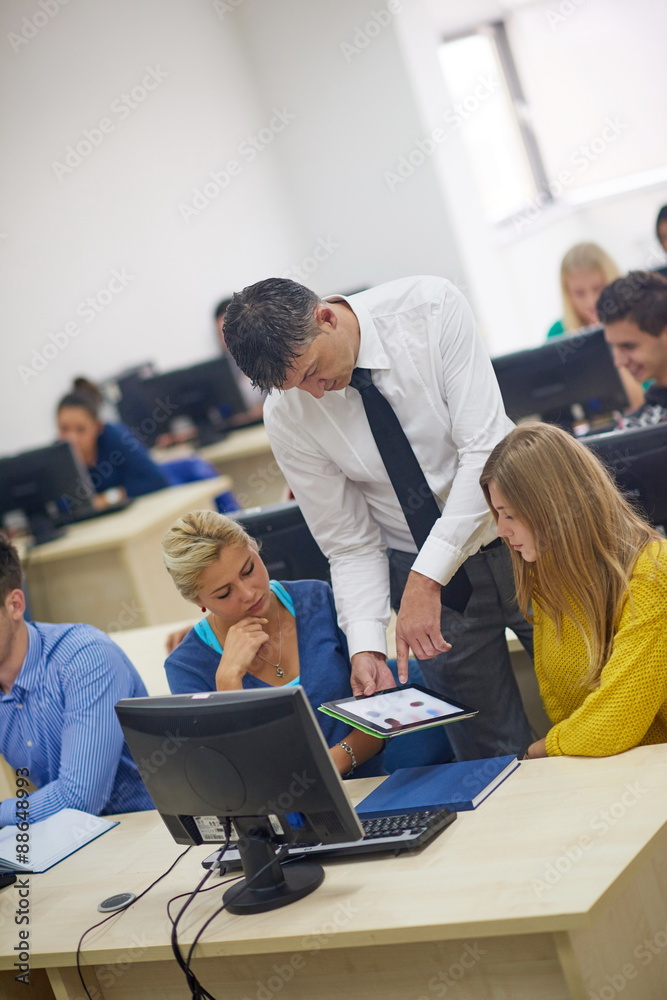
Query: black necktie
{"type": "Point", "coordinates": [406, 476]}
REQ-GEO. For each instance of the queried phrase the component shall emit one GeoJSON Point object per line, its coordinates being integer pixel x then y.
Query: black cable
{"type": "Point", "coordinates": [115, 913]}
{"type": "Point", "coordinates": [190, 975]}
{"type": "Point", "coordinates": [210, 888]}
{"type": "Point", "coordinates": [197, 991]}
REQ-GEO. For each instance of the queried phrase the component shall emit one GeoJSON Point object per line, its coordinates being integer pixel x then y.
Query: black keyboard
{"type": "Point", "coordinates": [385, 834]}
{"type": "Point", "coordinates": [85, 513]}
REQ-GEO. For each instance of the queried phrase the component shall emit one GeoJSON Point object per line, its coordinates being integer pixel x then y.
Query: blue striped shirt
{"type": "Point", "coordinates": [58, 721]}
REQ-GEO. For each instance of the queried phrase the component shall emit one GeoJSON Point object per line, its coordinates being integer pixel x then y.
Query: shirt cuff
{"type": "Point", "coordinates": [438, 560]}
{"type": "Point", "coordinates": [8, 812]}
{"type": "Point", "coordinates": [551, 743]}
{"type": "Point", "coordinates": [368, 636]}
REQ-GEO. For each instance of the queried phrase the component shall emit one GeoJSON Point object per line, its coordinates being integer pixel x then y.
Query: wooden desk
{"type": "Point", "coordinates": [108, 571]}
{"type": "Point", "coordinates": [246, 456]}
{"type": "Point", "coordinates": [553, 888]}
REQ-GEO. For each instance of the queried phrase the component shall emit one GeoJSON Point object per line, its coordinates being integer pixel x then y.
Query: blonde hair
{"type": "Point", "coordinates": [583, 257]}
{"type": "Point", "coordinates": [194, 542]}
{"type": "Point", "coordinates": [587, 535]}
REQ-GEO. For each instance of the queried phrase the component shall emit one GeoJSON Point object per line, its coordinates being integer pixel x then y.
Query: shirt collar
{"type": "Point", "coordinates": [371, 352]}
{"type": "Point", "coordinates": [28, 677]}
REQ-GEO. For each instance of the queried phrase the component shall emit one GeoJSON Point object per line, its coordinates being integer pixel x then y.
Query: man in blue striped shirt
{"type": "Point", "coordinates": [58, 688]}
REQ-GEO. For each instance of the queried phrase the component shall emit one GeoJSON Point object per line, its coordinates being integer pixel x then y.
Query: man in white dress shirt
{"type": "Point", "coordinates": [418, 337]}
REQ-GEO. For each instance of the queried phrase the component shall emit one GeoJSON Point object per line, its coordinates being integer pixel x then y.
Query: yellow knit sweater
{"type": "Point", "coordinates": [630, 706]}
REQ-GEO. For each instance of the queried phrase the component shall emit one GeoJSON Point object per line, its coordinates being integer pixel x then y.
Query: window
{"type": "Point", "coordinates": [488, 106]}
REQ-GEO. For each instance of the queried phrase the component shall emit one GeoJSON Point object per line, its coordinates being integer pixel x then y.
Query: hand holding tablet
{"type": "Point", "coordinates": [397, 711]}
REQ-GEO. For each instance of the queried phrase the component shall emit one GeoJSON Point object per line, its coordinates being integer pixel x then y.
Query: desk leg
{"type": "Point", "coordinates": [625, 952]}
{"type": "Point", "coordinates": [66, 984]}
{"type": "Point", "coordinates": [37, 988]}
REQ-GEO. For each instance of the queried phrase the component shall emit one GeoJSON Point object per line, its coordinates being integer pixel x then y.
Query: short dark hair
{"type": "Point", "coordinates": [11, 575]}
{"type": "Point", "coordinates": [662, 217]}
{"type": "Point", "coordinates": [221, 308]}
{"type": "Point", "coordinates": [640, 297]}
{"type": "Point", "coordinates": [267, 326]}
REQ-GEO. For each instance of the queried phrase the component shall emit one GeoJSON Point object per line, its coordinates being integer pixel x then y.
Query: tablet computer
{"type": "Point", "coordinates": [397, 710]}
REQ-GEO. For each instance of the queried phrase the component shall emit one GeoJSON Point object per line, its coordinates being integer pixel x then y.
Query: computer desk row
{"type": "Point", "coordinates": [245, 456]}
{"type": "Point", "coordinates": [555, 888]}
{"type": "Point", "coordinates": [108, 571]}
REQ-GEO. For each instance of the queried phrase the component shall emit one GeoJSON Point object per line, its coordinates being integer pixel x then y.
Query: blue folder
{"type": "Point", "coordinates": [458, 786]}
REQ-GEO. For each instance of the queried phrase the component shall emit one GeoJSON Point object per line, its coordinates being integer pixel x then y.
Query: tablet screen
{"type": "Point", "coordinates": [399, 707]}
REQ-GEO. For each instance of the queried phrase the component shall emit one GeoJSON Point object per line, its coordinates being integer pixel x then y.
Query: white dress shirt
{"type": "Point", "coordinates": [419, 338]}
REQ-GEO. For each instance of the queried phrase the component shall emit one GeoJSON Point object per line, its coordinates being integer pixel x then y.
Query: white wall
{"type": "Point", "coordinates": [340, 66]}
{"type": "Point", "coordinates": [119, 209]}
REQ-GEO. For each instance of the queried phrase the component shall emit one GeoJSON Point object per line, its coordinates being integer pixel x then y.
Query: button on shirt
{"type": "Point", "coordinates": [418, 337]}
{"type": "Point", "coordinates": [58, 721]}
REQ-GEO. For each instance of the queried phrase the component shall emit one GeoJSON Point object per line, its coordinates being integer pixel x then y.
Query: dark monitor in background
{"type": "Point", "coordinates": [257, 758]}
{"type": "Point", "coordinates": [125, 393]}
{"type": "Point", "coordinates": [638, 460]}
{"type": "Point", "coordinates": [570, 370]}
{"type": "Point", "coordinates": [287, 547]}
{"type": "Point", "coordinates": [207, 394]}
{"type": "Point", "coordinates": [46, 485]}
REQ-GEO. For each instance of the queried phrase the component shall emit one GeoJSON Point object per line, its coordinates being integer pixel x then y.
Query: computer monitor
{"type": "Point", "coordinates": [288, 549]}
{"type": "Point", "coordinates": [547, 381]}
{"type": "Point", "coordinates": [638, 460]}
{"type": "Point", "coordinates": [46, 484]}
{"type": "Point", "coordinates": [257, 758]}
{"type": "Point", "coordinates": [207, 394]}
{"type": "Point", "coordinates": [125, 393]}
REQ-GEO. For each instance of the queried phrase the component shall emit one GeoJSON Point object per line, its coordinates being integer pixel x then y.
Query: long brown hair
{"type": "Point", "coordinates": [587, 535]}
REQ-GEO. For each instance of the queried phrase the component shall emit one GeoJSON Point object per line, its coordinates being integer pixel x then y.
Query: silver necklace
{"type": "Point", "coordinates": [276, 666]}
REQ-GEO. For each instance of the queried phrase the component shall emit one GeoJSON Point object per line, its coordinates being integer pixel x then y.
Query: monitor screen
{"type": "Point", "coordinates": [48, 485]}
{"type": "Point", "coordinates": [255, 757]}
{"type": "Point", "coordinates": [207, 394]}
{"type": "Point", "coordinates": [125, 392]}
{"type": "Point", "coordinates": [638, 460]}
{"type": "Point", "coordinates": [289, 551]}
{"type": "Point", "coordinates": [571, 369]}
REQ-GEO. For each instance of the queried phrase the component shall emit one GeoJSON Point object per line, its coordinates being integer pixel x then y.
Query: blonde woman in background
{"type": "Point", "coordinates": [585, 270]}
{"type": "Point", "coordinates": [595, 575]}
{"type": "Point", "coordinates": [258, 632]}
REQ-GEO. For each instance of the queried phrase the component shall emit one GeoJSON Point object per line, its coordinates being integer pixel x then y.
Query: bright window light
{"type": "Point", "coordinates": [484, 111]}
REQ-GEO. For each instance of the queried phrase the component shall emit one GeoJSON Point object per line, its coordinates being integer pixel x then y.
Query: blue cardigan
{"type": "Point", "coordinates": [324, 662]}
{"type": "Point", "coordinates": [122, 460]}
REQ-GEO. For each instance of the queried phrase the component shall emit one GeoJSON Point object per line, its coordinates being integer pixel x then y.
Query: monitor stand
{"type": "Point", "coordinates": [267, 885]}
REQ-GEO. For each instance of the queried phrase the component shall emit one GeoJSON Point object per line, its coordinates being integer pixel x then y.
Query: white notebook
{"type": "Point", "coordinates": [51, 840]}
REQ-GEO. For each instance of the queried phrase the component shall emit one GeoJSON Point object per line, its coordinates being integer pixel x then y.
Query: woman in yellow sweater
{"type": "Point", "coordinates": [595, 575]}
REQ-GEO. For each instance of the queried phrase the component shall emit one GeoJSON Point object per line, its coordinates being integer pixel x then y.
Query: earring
{"type": "Point", "coordinates": [203, 609]}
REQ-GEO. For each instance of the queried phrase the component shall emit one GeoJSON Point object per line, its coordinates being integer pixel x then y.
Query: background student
{"type": "Point", "coordinates": [58, 688]}
{"type": "Point", "coordinates": [634, 313]}
{"type": "Point", "coordinates": [595, 575]}
{"type": "Point", "coordinates": [259, 632]}
{"type": "Point", "coordinates": [115, 458]}
{"type": "Point", "coordinates": [585, 270]}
